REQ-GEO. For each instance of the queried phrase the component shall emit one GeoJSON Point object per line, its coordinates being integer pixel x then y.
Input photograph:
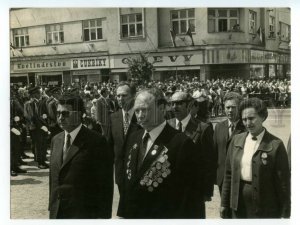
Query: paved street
{"type": "Point", "coordinates": [29, 192]}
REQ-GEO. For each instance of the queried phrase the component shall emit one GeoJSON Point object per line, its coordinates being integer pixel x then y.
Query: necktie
{"type": "Point", "coordinates": [143, 149]}
{"type": "Point", "coordinates": [180, 126]}
{"type": "Point", "coordinates": [126, 123]}
{"type": "Point", "coordinates": [231, 129]}
{"type": "Point", "coordinates": [67, 146]}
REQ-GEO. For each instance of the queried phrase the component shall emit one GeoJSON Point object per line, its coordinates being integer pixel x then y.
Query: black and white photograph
{"type": "Point", "coordinates": [150, 112]}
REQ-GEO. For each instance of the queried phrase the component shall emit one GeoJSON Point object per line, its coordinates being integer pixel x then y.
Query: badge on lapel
{"type": "Point", "coordinates": [128, 170]}
{"type": "Point", "coordinates": [264, 157]}
{"type": "Point", "coordinates": [159, 170]}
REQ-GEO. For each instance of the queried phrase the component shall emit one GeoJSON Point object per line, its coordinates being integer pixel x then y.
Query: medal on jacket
{"type": "Point", "coordinates": [264, 157]}
{"type": "Point", "coordinates": [159, 170]}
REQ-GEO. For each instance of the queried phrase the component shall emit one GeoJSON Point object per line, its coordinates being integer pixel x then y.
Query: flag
{"type": "Point", "coordinates": [261, 35]}
{"type": "Point", "coordinates": [173, 36]}
{"type": "Point", "coordinates": [189, 33]}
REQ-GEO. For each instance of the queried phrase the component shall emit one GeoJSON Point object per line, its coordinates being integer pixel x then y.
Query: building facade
{"type": "Point", "coordinates": [51, 46]}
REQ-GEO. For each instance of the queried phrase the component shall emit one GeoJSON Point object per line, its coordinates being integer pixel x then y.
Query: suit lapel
{"type": "Point", "coordinates": [118, 121]}
{"type": "Point", "coordinates": [191, 129]}
{"type": "Point", "coordinates": [58, 150]}
{"type": "Point", "coordinates": [265, 143]}
{"type": "Point", "coordinates": [75, 147]}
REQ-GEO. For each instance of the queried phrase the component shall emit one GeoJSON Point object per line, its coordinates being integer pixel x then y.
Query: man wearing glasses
{"type": "Point", "coordinates": [81, 167]}
{"type": "Point", "coordinates": [181, 104]}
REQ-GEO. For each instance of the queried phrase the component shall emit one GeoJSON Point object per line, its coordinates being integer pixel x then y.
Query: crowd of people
{"type": "Point", "coordinates": [158, 140]}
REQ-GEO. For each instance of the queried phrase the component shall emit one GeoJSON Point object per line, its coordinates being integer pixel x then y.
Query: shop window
{"type": "Point", "coordinates": [21, 37]}
{"type": "Point", "coordinates": [132, 25]}
{"type": "Point", "coordinates": [285, 32]}
{"type": "Point", "coordinates": [272, 27]}
{"type": "Point", "coordinates": [182, 20]}
{"type": "Point", "coordinates": [257, 71]}
{"type": "Point", "coordinates": [55, 34]}
{"type": "Point", "coordinates": [252, 22]}
{"type": "Point", "coordinates": [223, 20]}
{"type": "Point", "coordinates": [92, 30]}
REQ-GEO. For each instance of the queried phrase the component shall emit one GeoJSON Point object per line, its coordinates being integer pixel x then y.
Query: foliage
{"type": "Point", "coordinates": [139, 68]}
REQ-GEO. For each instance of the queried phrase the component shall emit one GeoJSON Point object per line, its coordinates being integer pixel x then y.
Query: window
{"type": "Point", "coordinates": [223, 20]}
{"type": "Point", "coordinates": [131, 25]}
{"type": "Point", "coordinates": [92, 30]}
{"type": "Point", "coordinates": [55, 34]}
{"type": "Point", "coordinates": [285, 32]}
{"type": "Point", "coordinates": [21, 37]}
{"type": "Point", "coordinates": [182, 20]}
{"type": "Point", "coordinates": [252, 22]}
{"type": "Point", "coordinates": [271, 27]}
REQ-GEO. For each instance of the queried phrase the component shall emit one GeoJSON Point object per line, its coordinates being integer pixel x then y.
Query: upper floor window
{"type": "Point", "coordinates": [222, 20]}
{"type": "Point", "coordinates": [285, 32]}
{"type": "Point", "coordinates": [21, 37]}
{"type": "Point", "coordinates": [55, 34]}
{"type": "Point", "coordinates": [182, 20]}
{"type": "Point", "coordinates": [92, 30]}
{"type": "Point", "coordinates": [132, 25]}
{"type": "Point", "coordinates": [271, 27]}
{"type": "Point", "coordinates": [252, 22]}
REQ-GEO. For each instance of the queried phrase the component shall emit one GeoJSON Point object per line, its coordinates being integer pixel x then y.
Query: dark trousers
{"type": "Point", "coordinates": [40, 145]}
{"type": "Point", "coordinates": [246, 207]}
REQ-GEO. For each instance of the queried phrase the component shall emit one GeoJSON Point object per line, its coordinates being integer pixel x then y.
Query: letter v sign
{"type": "Point", "coordinates": [173, 57]}
{"type": "Point", "coordinates": [187, 57]}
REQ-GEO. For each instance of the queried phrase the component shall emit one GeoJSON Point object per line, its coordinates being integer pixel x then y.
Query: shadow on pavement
{"type": "Point", "coordinates": [38, 174]}
{"type": "Point", "coordinates": [25, 181]}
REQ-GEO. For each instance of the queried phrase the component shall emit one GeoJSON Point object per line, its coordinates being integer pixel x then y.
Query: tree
{"type": "Point", "coordinates": [140, 68]}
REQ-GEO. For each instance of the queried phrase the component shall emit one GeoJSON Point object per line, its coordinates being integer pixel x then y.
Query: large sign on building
{"type": "Point", "coordinates": [90, 63]}
{"type": "Point", "coordinates": [41, 65]}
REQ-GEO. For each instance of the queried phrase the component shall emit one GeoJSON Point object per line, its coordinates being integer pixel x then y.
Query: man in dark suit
{"type": "Point", "coordinates": [123, 122]}
{"type": "Point", "coordinates": [81, 167]}
{"type": "Point", "coordinates": [201, 135]}
{"type": "Point", "coordinates": [161, 167]}
{"type": "Point", "coordinates": [225, 130]}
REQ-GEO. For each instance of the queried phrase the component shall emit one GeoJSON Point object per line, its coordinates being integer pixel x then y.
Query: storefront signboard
{"type": "Point", "coordinates": [90, 63]}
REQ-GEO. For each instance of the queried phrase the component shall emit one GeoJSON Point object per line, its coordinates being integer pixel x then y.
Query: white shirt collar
{"type": "Point", "coordinates": [73, 133]}
{"type": "Point", "coordinates": [184, 122]}
{"type": "Point", "coordinates": [154, 133]}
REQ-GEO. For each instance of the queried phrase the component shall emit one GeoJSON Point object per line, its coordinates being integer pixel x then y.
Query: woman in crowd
{"type": "Point", "coordinates": [257, 175]}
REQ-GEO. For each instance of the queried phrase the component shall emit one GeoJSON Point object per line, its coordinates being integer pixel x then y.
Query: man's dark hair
{"type": "Point", "coordinates": [74, 100]}
{"type": "Point", "coordinates": [233, 96]}
{"type": "Point", "coordinates": [131, 86]}
{"type": "Point", "coordinates": [256, 103]}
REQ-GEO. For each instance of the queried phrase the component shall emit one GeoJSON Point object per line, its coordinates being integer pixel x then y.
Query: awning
{"type": "Point", "coordinates": [18, 74]}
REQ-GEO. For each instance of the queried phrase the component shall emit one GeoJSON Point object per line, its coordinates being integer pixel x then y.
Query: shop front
{"type": "Point", "coordinates": [40, 72]}
{"type": "Point", "coordinates": [90, 69]}
{"type": "Point", "coordinates": [267, 64]}
{"type": "Point", "coordinates": [19, 79]}
{"type": "Point", "coordinates": [174, 65]}
{"type": "Point", "coordinates": [227, 63]}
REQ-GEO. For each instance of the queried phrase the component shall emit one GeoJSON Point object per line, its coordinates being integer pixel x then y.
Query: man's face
{"type": "Point", "coordinates": [124, 96]}
{"type": "Point", "coordinates": [179, 105]}
{"type": "Point", "coordinates": [67, 118]}
{"type": "Point", "coordinates": [148, 114]}
{"type": "Point", "coordinates": [231, 110]}
{"type": "Point", "coordinates": [252, 121]}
